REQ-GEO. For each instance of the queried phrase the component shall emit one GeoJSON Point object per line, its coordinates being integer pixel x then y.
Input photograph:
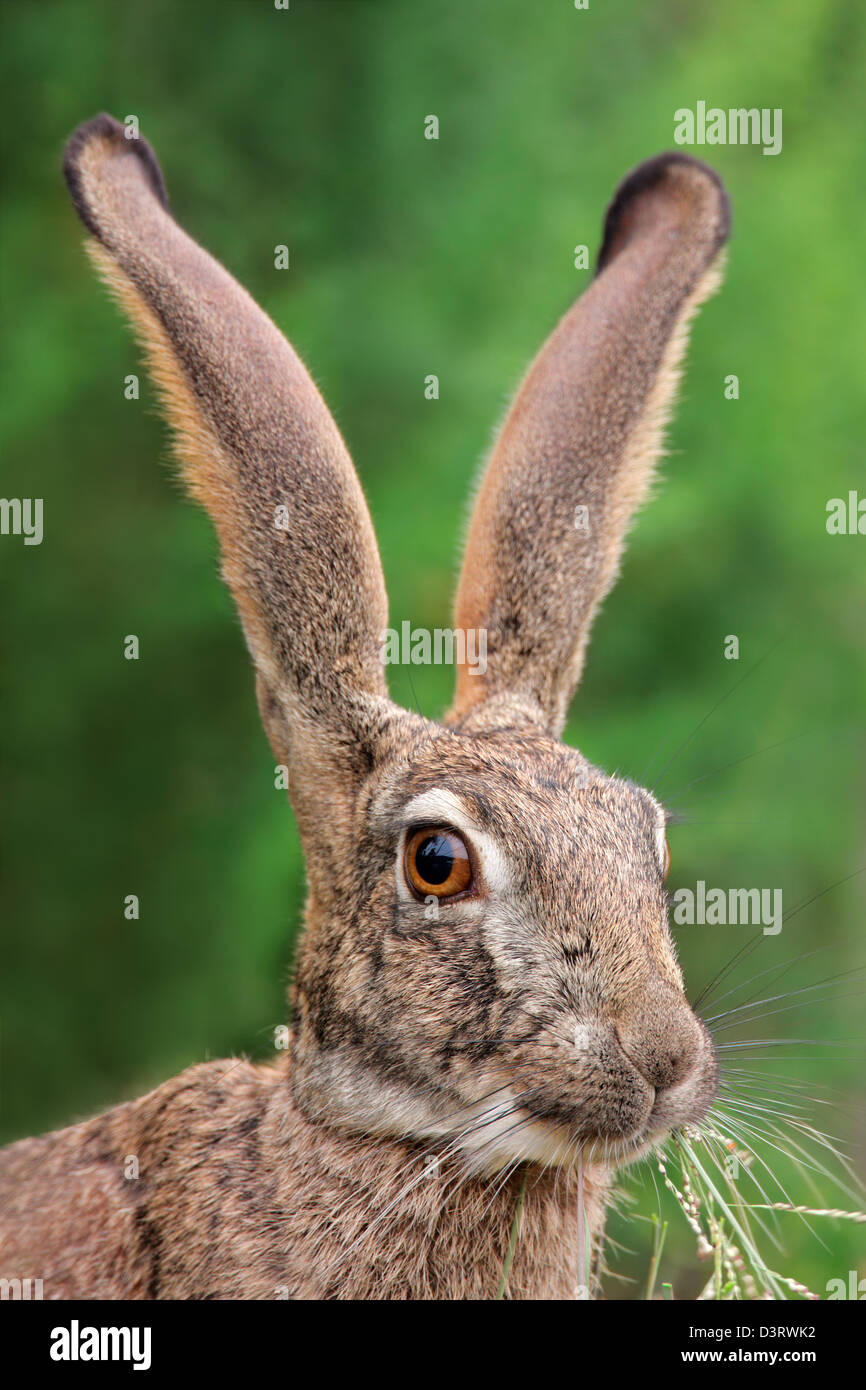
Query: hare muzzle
{"type": "Point", "coordinates": [674, 1053]}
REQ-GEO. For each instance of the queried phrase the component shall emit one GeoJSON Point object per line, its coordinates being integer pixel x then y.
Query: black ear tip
{"type": "Point", "coordinates": [110, 132]}
{"type": "Point", "coordinates": [710, 195]}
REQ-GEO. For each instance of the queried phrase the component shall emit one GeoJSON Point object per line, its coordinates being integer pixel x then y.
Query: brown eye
{"type": "Point", "coordinates": [667, 867]}
{"type": "Point", "coordinates": [437, 863]}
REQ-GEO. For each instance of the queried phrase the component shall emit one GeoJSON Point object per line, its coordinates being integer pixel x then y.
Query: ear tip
{"type": "Point", "coordinates": [685, 182]}
{"type": "Point", "coordinates": [103, 130]}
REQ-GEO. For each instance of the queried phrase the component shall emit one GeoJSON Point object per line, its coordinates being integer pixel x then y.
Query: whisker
{"type": "Point", "coordinates": [823, 1141]}
{"type": "Point", "coordinates": [728, 693]}
{"type": "Point", "coordinates": [745, 950]}
{"type": "Point", "coordinates": [750, 1076]}
{"type": "Point", "coordinates": [782, 967]}
{"type": "Point", "coordinates": [801, 1003]}
{"type": "Point", "coordinates": [808, 903]}
{"type": "Point", "coordinates": [735, 762]}
{"type": "Point", "coordinates": [752, 945]}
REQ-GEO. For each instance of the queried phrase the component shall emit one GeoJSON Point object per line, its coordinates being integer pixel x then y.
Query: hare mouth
{"type": "Point", "coordinates": [612, 1140]}
{"type": "Point", "coordinates": [686, 1103]}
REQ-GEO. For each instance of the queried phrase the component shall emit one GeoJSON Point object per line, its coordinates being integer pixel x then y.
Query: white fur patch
{"type": "Point", "coordinates": [661, 840]}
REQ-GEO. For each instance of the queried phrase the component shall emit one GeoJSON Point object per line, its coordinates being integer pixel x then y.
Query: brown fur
{"type": "Point", "coordinates": [222, 1207]}
{"type": "Point", "coordinates": [532, 1027]}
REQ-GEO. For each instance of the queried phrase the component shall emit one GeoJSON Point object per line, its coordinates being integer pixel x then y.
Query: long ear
{"type": "Point", "coordinates": [259, 449]}
{"type": "Point", "coordinates": [578, 448]}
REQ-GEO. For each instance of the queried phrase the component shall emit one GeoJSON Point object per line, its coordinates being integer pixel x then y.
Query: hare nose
{"type": "Point", "coordinates": [664, 1044]}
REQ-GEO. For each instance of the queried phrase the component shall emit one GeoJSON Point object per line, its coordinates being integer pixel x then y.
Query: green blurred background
{"type": "Point", "coordinates": [411, 257]}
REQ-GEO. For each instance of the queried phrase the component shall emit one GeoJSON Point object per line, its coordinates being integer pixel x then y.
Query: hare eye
{"type": "Point", "coordinates": [437, 862]}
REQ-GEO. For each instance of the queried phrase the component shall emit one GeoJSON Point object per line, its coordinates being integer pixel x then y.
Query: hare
{"type": "Point", "coordinates": [488, 1014]}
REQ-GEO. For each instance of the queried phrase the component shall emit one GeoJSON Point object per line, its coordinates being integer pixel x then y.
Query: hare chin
{"type": "Point", "coordinates": [551, 1147]}
{"type": "Point", "coordinates": [501, 1141]}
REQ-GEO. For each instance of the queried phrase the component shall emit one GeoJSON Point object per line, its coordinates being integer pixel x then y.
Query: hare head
{"type": "Point", "coordinates": [487, 957]}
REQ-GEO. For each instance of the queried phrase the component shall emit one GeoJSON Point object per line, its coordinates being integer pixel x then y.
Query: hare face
{"type": "Point", "coordinates": [503, 977]}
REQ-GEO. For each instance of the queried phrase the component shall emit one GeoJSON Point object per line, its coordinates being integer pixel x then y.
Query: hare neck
{"type": "Point", "coordinates": [381, 1218]}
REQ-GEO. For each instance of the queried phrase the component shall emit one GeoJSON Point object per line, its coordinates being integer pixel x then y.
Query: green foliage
{"type": "Point", "coordinates": [410, 257]}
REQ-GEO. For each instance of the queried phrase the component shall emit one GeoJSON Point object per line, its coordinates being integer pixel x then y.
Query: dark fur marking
{"type": "Point", "coordinates": [106, 126]}
{"type": "Point", "coordinates": [651, 172]}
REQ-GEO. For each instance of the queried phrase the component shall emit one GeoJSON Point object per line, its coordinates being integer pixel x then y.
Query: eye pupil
{"type": "Point", "coordinates": [434, 859]}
